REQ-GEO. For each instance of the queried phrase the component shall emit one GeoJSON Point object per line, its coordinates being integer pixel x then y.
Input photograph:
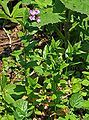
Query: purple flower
{"type": "Point", "coordinates": [32, 12]}
{"type": "Point", "coordinates": [37, 12]}
{"type": "Point", "coordinates": [38, 19]}
{"type": "Point", "coordinates": [34, 15]}
{"type": "Point", "coordinates": [32, 18]}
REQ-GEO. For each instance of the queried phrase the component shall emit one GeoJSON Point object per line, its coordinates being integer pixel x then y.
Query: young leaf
{"type": "Point", "coordinates": [45, 52]}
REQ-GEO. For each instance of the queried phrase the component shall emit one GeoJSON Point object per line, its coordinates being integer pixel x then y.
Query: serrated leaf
{"type": "Point", "coordinates": [43, 3]}
{"type": "Point", "coordinates": [77, 5]}
{"type": "Point", "coordinates": [50, 17]}
{"type": "Point", "coordinates": [47, 16]}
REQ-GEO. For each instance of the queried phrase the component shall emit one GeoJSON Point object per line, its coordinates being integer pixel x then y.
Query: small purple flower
{"type": "Point", "coordinates": [37, 12]}
{"type": "Point", "coordinates": [32, 18]}
{"type": "Point", "coordinates": [38, 19]}
{"type": "Point", "coordinates": [34, 15]}
{"type": "Point", "coordinates": [32, 12]}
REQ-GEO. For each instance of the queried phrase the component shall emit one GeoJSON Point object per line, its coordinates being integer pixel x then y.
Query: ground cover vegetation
{"type": "Point", "coordinates": [44, 59]}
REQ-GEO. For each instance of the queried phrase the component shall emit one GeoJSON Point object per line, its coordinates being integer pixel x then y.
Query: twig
{"type": "Point", "coordinates": [7, 35]}
{"type": "Point", "coordinates": [15, 42]}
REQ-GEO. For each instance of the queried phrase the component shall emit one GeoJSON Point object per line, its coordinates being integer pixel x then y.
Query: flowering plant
{"type": "Point", "coordinates": [34, 15]}
{"type": "Point", "coordinates": [48, 76]}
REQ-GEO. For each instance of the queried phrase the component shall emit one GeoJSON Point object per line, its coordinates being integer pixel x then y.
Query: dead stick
{"type": "Point", "coordinates": [7, 36]}
{"type": "Point", "coordinates": [3, 44]}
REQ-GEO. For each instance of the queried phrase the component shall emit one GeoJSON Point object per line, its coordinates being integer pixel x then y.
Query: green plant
{"type": "Point", "coordinates": [48, 78]}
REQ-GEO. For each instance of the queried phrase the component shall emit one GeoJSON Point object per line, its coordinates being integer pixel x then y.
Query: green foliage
{"type": "Point", "coordinates": [77, 5]}
{"type": "Point", "coordinates": [48, 77]}
{"type": "Point", "coordinates": [76, 100]}
{"type": "Point", "coordinates": [15, 16]}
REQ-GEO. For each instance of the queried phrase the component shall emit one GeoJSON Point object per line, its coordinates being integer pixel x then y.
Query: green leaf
{"type": "Point", "coordinates": [10, 88]}
{"type": "Point", "coordinates": [76, 100]}
{"type": "Point", "coordinates": [73, 26]}
{"type": "Point", "coordinates": [45, 52]}
{"type": "Point", "coordinates": [50, 17]}
{"type": "Point", "coordinates": [27, 2]}
{"type": "Point", "coordinates": [70, 117]}
{"type": "Point", "coordinates": [39, 70]}
{"type": "Point", "coordinates": [69, 49]}
{"type": "Point", "coordinates": [1, 109]}
{"type": "Point", "coordinates": [8, 98]}
{"type": "Point", "coordinates": [21, 109]}
{"type": "Point", "coordinates": [85, 73]}
{"type": "Point", "coordinates": [3, 15]}
{"type": "Point", "coordinates": [5, 7]}
{"type": "Point", "coordinates": [15, 9]}
{"type": "Point", "coordinates": [85, 82]}
{"type": "Point", "coordinates": [58, 7]}
{"type": "Point", "coordinates": [87, 60]}
{"type": "Point", "coordinates": [63, 65]}
{"type": "Point", "coordinates": [47, 16]}
{"type": "Point", "coordinates": [54, 97]}
{"type": "Point", "coordinates": [21, 104]}
{"type": "Point", "coordinates": [77, 46]}
{"type": "Point", "coordinates": [43, 3]}
{"type": "Point", "coordinates": [7, 117]}
{"type": "Point", "coordinates": [32, 82]}
{"type": "Point", "coordinates": [16, 53]}
{"type": "Point", "coordinates": [86, 104]}
{"type": "Point", "coordinates": [3, 81]}
{"type": "Point", "coordinates": [86, 117]}
{"type": "Point", "coordinates": [19, 13]}
{"type": "Point", "coordinates": [37, 112]}
{"type": "Point", "coordinates": [76, 87]}
{"type": "Point", "coordinates": [77, 5]}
